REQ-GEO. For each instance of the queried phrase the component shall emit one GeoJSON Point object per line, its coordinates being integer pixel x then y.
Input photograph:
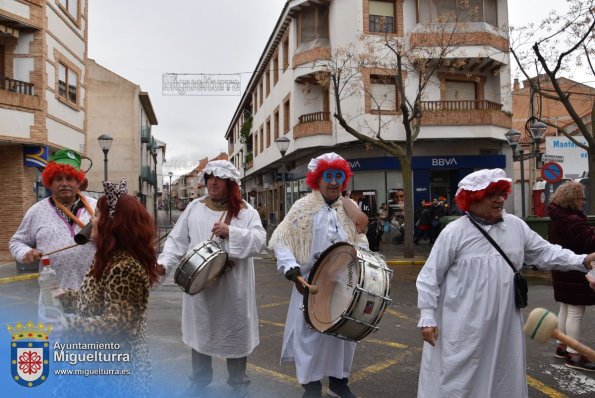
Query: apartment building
{"type": "Point", "coordinates": [43, 101]}
{"type": "Point", "coordinates": [574, 160]}
{"type": "Point", "coordinates": [467, 104]}
{"type": "Point", "coordinates": [120, 109]}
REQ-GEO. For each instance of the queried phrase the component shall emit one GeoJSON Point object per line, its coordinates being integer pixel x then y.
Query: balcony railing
{"type": "Point", "coordinates": [463, 105]}
{"type": "Point", "coordinates": [16, 86]}
{"type": "Point", "coordinates": [315, 117]}
{"type": "Point", "coordinates": [145, 134]}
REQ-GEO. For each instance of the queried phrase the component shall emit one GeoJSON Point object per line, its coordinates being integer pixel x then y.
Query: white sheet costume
{"type": "Point", "coordinates": [221, 320]}
{"type": "Point", "coordinates": [310, 227]}
{"type": "Point", "coordinates": [466, 289]}
{"type": "Point", "coordinates": [46, 229]}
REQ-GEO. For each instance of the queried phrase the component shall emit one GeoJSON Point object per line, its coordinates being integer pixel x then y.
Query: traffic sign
{"type": "Point", "coordinates": [552, 172]}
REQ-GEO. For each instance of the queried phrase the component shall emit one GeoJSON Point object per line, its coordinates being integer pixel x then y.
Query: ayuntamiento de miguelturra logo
{"type": "Point", "coordinates": [30, 353]}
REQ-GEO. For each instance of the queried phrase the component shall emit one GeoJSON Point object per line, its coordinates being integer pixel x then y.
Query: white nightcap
{"type": "Point", "coordinates": [222, 169]}
{"type": "Point", "coordinates": [480, 179]}
{"type": "Point", "coordinates": [328, 157]}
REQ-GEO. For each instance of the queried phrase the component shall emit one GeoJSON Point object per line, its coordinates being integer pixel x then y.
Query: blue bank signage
{"type": "Point", "coordinates": [429, 162]}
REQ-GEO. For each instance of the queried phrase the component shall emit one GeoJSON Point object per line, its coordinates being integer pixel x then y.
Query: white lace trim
{"type": "Point", "coordinates": [425, 322]}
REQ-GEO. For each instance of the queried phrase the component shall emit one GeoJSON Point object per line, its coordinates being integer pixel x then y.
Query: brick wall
{"type": "Point", "coordinates": [467, 118]}
{"type": "Point", "coordinates": [315, 54]}
{"type": "Point", "coordinates": [17, 195]}
{"type": "Point", "coordinates": [312, 128]}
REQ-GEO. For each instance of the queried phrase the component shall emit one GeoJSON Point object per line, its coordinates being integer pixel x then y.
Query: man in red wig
{"type": "Point", "coordinates": [51, 224]}
{"type": "Point", "coordinates": [221, 320]}
{"type": "Point", "coordinates": [474, 342]}
{"type": "Point", "coordinates": [314, 223]}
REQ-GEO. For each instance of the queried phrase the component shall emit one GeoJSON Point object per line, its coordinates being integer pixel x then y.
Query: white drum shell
{"type": "Point", "coordinates": [200, 267]}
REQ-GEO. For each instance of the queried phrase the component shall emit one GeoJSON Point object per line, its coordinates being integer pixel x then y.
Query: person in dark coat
{"type": "Point", "coordinates": [569, 229]}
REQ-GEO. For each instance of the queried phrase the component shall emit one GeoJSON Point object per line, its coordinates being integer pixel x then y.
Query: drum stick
{"type": "Point", "coordinates": [59, 250]}
{"type": "Point", "coordinates": [541, 326]}
{"type": "Point", "coordinates": [311, 288]}
{"type": "Point", "coordinates": [220, 218]}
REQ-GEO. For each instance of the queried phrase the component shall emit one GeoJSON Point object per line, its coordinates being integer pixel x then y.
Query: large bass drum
{"type": "Point", "coordinates": [353, 292]}
{"type": "Point", "coordinates": [201, 267]}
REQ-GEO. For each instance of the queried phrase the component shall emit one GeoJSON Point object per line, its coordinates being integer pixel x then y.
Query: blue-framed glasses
{"type": "Point", "coordinates": [332, 174]}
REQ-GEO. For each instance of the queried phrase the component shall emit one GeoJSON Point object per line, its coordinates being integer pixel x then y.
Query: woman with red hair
{"type": "Point", "coordinates": [474, 345]}
{"type": "Point", "coordinates": [111, 305]}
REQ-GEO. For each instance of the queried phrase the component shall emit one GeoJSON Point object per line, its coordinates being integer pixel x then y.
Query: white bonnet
{"type": "Point", "coordinates": [222, 169]}
{"type": "Point", "coordinates": [480, 179]}
{"type": "Point", "coordinates": [328, 157]}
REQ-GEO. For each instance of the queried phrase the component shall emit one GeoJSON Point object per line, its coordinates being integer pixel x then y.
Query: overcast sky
{"type": "Point", "coordinates": [142, 39]}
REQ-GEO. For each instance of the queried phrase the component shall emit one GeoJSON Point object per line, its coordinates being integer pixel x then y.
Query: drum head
{"type": "Point", "coordinates": [336, 275]}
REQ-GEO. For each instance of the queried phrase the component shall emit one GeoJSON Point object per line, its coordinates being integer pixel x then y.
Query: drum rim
{"type": "Point", "coordinates": [311, 278]}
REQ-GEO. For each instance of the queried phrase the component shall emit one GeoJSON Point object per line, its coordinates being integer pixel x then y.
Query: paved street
{"type": "Point", "coordinates": [386, 363]}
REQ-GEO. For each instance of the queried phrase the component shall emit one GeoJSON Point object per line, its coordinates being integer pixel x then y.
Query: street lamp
{"type": "Point", "coordinates": [283, 145]}
{"type": "Point", "coordinates": [105, 143]}
{"type": "Point", "coordinates": [537, 129]}
{"type": "Point", "coordinates": [170, 174]}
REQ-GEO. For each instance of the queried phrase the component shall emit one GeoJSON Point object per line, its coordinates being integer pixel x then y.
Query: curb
{"type": "Point", "coordinates": [405, 262]}
{"type": "Point", "coordinates": [19, 278]}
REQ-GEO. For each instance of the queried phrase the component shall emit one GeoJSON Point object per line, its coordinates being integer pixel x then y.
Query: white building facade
{"type": "Point", "coordinates": [467, 103]}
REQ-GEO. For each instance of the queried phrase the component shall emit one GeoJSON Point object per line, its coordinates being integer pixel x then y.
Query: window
{"type": "Point", "coordinates": [459, 11]}
{"type": "Point", "coordinates": [71, 7]}
{"type": "Point", "coordinates": [382, 16]}
{"type": "Point", "coordinates": [260, 93]}
{"type": "Point", "coordinates": [286, 115]}
{"type": "Point", "coordinates": [67, 83]}
{"type": "Point", "coordinates": [285, 53]}
{"type": "Point", "coordinates": [276, 68]}
{"type": "Point", "coordinates": [268, 133]}
{"type": "Point", "coordinates": [255, 101]}
{"type": "Point", "coordinates": [313, 24]}
{"type": "Point", "coordinates": [459, 91]}
{"type": "Point", "coordinates": [276, 123]}
{"type": "Point", "coordinates": [261, 146]}
{"type": "Point", "coordinates": [383, 93]}
{"type": "Point", "coordinates": [267, 79]}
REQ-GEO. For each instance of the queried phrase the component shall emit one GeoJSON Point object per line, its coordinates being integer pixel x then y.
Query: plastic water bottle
{"type": "Point", "coordinates": [48, 282]}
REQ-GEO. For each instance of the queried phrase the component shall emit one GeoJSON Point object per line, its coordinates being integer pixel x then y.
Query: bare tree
{"type": "Point", "coordinates": [411, 62]}
{"type": "Point", "coordinates": [565, 43]}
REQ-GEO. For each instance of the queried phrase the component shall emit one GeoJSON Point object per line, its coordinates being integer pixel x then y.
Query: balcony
{"type": "Point", "coordinates": [16, 86]}
{"type": "Point", "coordinates": [317, 123]}
{"type": "Point", "coordinates": [464, 113]}
{"type": "Point", "coordinates": [145, 134]}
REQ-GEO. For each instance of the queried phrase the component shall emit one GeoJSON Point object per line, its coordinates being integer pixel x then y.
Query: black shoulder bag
{"type": "Point", "coordinates": [520, 283]}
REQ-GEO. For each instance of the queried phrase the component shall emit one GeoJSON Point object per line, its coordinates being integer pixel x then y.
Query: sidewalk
{"type": "Point", "coordinates": [391, 252]}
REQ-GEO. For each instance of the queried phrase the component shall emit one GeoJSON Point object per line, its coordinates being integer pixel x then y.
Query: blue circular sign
{"type": "Point", "coordinates": [552, 172]}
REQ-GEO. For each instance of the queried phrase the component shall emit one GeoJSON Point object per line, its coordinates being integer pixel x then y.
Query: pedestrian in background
{"type": "Point", "coordinates": [568, 228]}
{"type": "Point", "coordinates": [471, 325]}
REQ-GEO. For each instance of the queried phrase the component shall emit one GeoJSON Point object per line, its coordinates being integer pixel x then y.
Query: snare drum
{"type": "Point", "coordinates": [353, 292]}
{"type": "Point", "coordinates": [201, 267]}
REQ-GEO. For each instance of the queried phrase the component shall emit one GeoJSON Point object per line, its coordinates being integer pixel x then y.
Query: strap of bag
{"type": "Point", "coordinates": [489, 238]}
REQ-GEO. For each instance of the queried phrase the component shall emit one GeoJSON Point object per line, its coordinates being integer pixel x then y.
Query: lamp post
{"type": "Point", "coordinates": [170, 174]}
{"type": "Point", "coordinates": [536, 130]}
{"type": "Point", "coordinates": [105, 143]}
{"type": "Point", "coordinates": [283, 145]}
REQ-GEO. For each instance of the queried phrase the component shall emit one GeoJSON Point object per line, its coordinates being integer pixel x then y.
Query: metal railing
{"type": "Point", "coordinates": [16, 86]}
{"type": "Point", "coordinates": [462, 105]}
{"type": "Point", "coordinates": [315, 117]}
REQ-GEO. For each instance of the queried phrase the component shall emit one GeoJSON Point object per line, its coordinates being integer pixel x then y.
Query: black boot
{"type": "Point", "coordinates": [339, 388]}
{"type": "Point", "coordinates": [313, 390]}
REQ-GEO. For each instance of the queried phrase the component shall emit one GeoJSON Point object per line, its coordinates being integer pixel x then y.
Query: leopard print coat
{"type": "Point", "coordinates": [114, 309]}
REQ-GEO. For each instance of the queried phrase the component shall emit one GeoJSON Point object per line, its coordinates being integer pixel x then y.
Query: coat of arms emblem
{"type": "Point", "coordinates": [30, 353]}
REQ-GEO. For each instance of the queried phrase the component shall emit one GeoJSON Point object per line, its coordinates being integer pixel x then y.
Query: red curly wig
{"type": "Point", "coordinates": [130, 230]}
{"type": "Point", "coordinates": [313, 177]}
{"type": "Point", "coordinates": [465, 198]}
{"type": "Point", "coordinates": [52, 169]}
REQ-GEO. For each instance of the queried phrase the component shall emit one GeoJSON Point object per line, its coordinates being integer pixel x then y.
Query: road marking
{"type": "Point", "coordinates": [18, 278]}
{"type": "Point", "coordinates": [387, 343]}
{"type": "Point", "coordinates": [376, 368]}
{"type": "Point", "coordinates": [292, 381]}
{"type": "Point", "coordinates": [281, 325]}
{"type": "Point", "coordinates": [274, 304]}
{"type": "Point", "coordinates": [539, 386]}
{"type": "Point", "coordinates": [398, 314]}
